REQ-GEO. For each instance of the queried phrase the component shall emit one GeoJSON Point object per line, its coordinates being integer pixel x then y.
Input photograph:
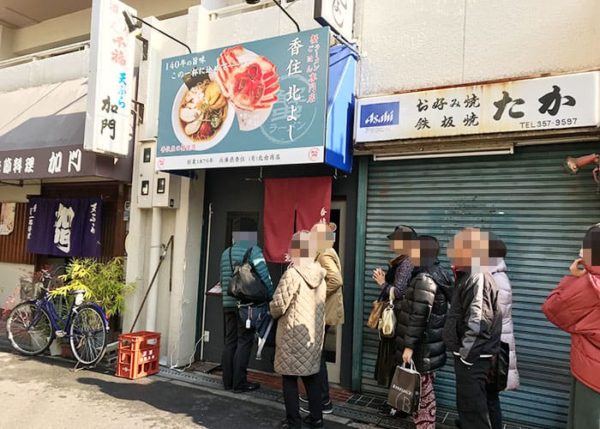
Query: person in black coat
{"type": "Point", "coordinates": [473, 329]}
{"type": "Point", "coordinates": [421, 322]}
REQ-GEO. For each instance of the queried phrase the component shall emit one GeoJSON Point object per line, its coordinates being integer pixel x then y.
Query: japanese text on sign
{"type": "Point", "coordinates": [544, 103]}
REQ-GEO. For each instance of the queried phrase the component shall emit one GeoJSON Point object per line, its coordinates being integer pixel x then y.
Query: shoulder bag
{"type": "Point", "coordinates": [387, 323]}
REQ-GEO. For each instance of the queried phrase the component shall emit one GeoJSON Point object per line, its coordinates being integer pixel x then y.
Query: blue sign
{"type": "Point", "coordinates": [340, 108]}
{"type": "Point", "coordinates": [379, 114]}
{"type": "Point", "coordinates": [253, 104]}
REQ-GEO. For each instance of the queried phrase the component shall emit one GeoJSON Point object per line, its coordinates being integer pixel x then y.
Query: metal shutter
{"type": "Point", "coordinates": [537, 209]}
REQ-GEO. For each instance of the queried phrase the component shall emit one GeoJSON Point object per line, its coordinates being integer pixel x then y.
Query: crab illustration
{"type": "Point", "coordinates": [250, 81]}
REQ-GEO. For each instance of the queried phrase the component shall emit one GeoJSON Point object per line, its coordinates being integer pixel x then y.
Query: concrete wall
{"type": "Point", "coordinates": [45, 71]}
{"type": "Point", "coordinates": [411, 44]}
{"type": "Point", "coordinates": [75, 27]}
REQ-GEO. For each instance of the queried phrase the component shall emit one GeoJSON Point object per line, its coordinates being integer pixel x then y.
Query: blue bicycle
{"type": "Point", "coordinates": [33, 325]}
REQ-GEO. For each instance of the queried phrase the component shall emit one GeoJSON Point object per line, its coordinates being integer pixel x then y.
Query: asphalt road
{"type": "Point", "coordinates": [42, 392]}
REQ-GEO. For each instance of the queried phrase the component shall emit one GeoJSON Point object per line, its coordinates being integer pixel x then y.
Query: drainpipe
{"type": "Point", "coordinates": [155, 249]}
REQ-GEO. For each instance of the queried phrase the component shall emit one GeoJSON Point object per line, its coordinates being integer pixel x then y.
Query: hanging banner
{"type": "Point", "coordinates": [7, 218]}
{"type": "Point", "coordinates": [254, 104]}
{"type": "Point", "coordinates": [567, 101]}
{"type": "Point", "coordinates": [64, 227]}
{"type": "Point", "coordinates": [108, 124]}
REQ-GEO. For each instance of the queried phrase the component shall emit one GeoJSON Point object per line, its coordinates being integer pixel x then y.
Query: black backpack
{"type": "Point", "coordinates": [245, 284]}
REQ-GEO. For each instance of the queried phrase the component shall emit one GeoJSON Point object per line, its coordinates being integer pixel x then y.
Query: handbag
{"type": "Point", "coordinates": [373, 320]}
{"type": "Point", "coordinates": [387, 323]}
{"type": "Point", "coordinates": [405, 389]}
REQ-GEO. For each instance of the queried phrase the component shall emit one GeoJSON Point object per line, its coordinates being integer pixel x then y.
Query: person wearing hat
{"type": "Point", "coordinates": [393, 283]}
{"type": "Point", "coordinates": [323, 239]}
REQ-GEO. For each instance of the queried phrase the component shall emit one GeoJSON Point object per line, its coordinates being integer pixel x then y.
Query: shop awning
{"type": "Point", "coordinates": [41, 135]}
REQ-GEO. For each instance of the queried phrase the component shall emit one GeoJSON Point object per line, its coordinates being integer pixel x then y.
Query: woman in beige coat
{"type": "Point", "coordinates": [299, 307]}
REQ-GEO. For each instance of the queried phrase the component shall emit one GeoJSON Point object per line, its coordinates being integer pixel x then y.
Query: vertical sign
{"type": "Point", "coordinates": [108, 118]}
{"type": "Point", "coordinates": [337, 14]}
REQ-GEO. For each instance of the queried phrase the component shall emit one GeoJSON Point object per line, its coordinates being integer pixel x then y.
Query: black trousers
{"type": "Point", "coordinates": [478, 403]}
{"type": "Point", "coordinates": [312, 384]}
{"type": "Point", "coordinates": [323, 373]}
{"type": "Point", "coordinates": [236, 354]}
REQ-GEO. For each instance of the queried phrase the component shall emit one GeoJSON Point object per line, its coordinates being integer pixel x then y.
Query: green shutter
{"type": "Point", "coordinates": [536, 208]}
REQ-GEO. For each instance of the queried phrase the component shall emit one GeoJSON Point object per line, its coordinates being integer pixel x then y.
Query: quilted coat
{"type": "Point", "coordinates": [422, 316]}
{"type": "Point", "coordinates": [334, 305]}
{"type": "Point", "coordinates": [508, 335]}
{"type": "Point", "coordinates": [299, 307]}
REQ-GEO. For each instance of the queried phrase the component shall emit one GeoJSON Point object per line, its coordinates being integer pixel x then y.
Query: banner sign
{"type": "Point", "coordinates": [254, 104]}
{"type": "Point", "coordinates": [340, 108]}
{"type": "Point", "coordinates": [64, 227]}
{"type": "Point", "coordinates": [108, 122]}
{"type": "Point", "coordinates": [547, 103]}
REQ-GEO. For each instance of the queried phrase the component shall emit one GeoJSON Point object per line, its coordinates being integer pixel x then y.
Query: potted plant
{"type": "Point", "coordinates": [102, 282]}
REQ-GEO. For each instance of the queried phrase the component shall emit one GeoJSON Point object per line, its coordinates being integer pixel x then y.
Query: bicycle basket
{"type": "Point", "coordinates": [30, 290]}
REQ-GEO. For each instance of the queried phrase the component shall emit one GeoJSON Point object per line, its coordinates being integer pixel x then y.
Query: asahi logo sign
{"type": "Point", "coordinates": [337, 14]}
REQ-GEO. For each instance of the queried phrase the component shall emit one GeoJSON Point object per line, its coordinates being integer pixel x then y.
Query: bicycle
{"type": "Point", "coordinates": [33, 325]}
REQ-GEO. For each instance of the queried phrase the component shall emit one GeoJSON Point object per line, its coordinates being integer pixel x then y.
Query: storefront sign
{"type": "Point", "coordinates": [108, 119]}
{"type": "Point", "coordinates": [64, 227]}
{"type": "Point", "coordinates": [567, 101]}
{"type": "Point", "coordinates": [68, 161]}
{"type": "Point", "coordinates": [338, 14]}
{"type": "Point", "coordinates": [260, 103]}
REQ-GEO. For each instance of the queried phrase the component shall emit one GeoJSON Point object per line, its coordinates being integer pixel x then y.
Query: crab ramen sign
{"type": "Point", "coordinates": [252, 104]}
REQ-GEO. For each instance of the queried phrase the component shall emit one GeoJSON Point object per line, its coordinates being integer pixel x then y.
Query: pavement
{"type": "Point", "coordinates": [44, 392]}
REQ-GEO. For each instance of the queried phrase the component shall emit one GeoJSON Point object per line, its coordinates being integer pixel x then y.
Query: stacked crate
{"type": "Point", "coordinates": [138, 354]}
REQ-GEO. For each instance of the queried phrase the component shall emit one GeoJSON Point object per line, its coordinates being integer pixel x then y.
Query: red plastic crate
{"type": "Point", "coordinates": [138, 354]}
{"type": "Point", "coordinates": [139, 340]}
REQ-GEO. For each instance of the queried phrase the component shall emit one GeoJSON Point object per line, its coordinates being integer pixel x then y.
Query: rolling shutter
{"type": "Point", "coordinates": [537, 209]}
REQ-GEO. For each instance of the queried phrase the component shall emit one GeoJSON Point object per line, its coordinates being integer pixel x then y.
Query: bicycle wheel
{"type": "Point", "coordinates": [29, 329]}
{"type": "Point", "coordinates": [87, 335]}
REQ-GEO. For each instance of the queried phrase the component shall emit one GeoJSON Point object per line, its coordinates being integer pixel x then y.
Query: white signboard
{"type": "Point", "coordinates": [566, 101]}
{"type": "Point", "coordinates": [110, 87]}
{"type": "Point", "coordinates": [337, 14]}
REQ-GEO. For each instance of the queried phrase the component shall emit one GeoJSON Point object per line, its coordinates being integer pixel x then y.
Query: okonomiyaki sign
{"type": "Point", "coordinates": [252, 104]}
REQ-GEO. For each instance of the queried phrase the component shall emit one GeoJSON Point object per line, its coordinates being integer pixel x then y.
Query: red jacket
{"type": "Point", "coordinates": [574, 306]}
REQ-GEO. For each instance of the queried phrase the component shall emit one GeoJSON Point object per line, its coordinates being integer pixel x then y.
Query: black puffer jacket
{"type": "Point", "coordinates": [474, 324]}
{"type": "Point", "coordinates": [428, 292]}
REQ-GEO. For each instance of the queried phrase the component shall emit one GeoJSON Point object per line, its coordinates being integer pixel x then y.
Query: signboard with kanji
{"type": "Point", "coordinates": [110, 88]}
{"type": "Point", "coordinates": [547, 103]}
{"type": "Point", "coordinates": [253, 104]}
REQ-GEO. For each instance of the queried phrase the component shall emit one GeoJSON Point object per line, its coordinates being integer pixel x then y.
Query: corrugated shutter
{"type": "Point", "coordinates": [537, 209]}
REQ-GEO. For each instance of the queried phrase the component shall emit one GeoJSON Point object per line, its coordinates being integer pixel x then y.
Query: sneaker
{"type": "Point", "coordinates": [326, 408]}
{"type": "Point", "coordinates": [303, 399]}
{"type": "Point", "coordinates": [312, 423]}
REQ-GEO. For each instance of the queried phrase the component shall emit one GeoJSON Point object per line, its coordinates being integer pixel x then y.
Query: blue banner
{"type": "Point", "coordinates": [64, 227]}
{"type": "Point", "coordinates": [340, 108]}
{"type": "Point", "coordinates": [253, 104]}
